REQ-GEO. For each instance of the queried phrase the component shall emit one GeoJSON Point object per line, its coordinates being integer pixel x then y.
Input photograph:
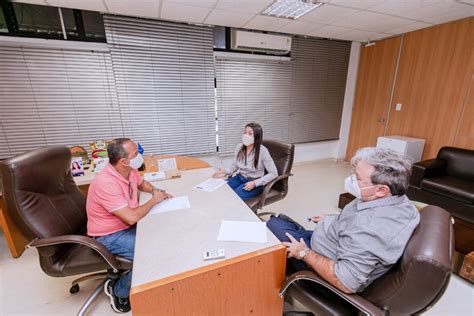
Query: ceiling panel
{"type": "Point", "coordinates": [357, 4]}
{"type": "Point", "coordinates": [91, 5]}
{"type": "Point", "coordinates": [439, 10]}
{"type": "Point", "coordinates": [261, 22]}
{"type": "Point", "coordinates": [409, 27]}
{"type": "Point", "coordinates": [343, 19]}
{"type": "Point", "coordinates": [180, 12]}
{"type": "Point", "coordinates": [397, 7]}
{"type": "Point", "coordinates": [247, 6]}
{"type": "Point", "coordinates": [300, 27]}
{"type": "Point", "coordinates": [356, 35]}
{"type": "Point", "coordinates": [370, 21]}
{"type": "Point", "coordinates": [195, 3]}
{"type": "Point", "coordinates": [228, 18]}
{"type": "Point", "coordinates": [380, 36]}
{"type": "Point", "coordinates": [452, 17]}
{"type": "Point", "coordinates": [330, 31]}
{"type": "Point", "coordinates": [144, 8]}
{"type": "Point", "coordinates": [326, 14]}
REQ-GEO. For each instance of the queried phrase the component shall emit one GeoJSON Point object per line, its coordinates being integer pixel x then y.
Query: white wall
{"type": "Point", "coordinates": [348, 100]}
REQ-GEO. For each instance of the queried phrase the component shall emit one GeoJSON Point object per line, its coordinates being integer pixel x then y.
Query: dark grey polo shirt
{"type": "Point", "coordinates": [366, 239]}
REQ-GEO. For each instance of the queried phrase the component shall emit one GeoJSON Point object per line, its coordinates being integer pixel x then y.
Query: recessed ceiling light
{"type": "Point", "coordinates": [291, 9]}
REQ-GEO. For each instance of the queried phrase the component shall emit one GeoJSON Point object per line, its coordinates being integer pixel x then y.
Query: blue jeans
{"type": "Point", "coordinates": [279, 227]}
{"type": "Point", "coordinates": [237, 184]}
{"type": "Point", "coordinates": [121, 243]}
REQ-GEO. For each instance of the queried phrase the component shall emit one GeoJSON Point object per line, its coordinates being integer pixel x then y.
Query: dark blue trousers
{"type": "Point", "coordinates": [280, 226]}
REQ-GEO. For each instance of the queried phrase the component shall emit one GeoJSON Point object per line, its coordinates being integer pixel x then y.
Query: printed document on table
{"type": "Point", "coordinates": [167, 164]}
{"type": "Point", "coordinates": [210, 184]}
{"type": "Point", "coordinates": [173, 204]}
{"type": "Point", "coordinates": [243, 231]}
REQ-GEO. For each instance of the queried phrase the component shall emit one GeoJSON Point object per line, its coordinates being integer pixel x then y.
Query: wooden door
{"type": "Point", "coordinates": [433, 80]}
{"type": "Point", "coordinates": [372, 98]}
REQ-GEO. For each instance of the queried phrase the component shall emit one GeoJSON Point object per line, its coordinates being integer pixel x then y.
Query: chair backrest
{"type": "Point", "coordinates": [41, 196]}
{"type": "Point", "coordinates": [422, 274]}
{"type": "Point", "coordinates": [459, 162]}
{"type": "Point", "coordinates": [283, 155]}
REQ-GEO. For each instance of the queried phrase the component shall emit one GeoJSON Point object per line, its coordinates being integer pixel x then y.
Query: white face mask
{"type": "Point", "coordinates": [247, 139]}
{"type": "Point", "coordinates": [351, 186]}
{"type": "Point", "coordinates": [136, 162]}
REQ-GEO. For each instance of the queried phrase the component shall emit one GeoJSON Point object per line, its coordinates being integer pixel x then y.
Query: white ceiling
{"type": "Point", "coordinates": [355, 20]}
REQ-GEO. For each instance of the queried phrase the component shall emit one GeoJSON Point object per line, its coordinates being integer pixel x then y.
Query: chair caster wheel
{"type": "Point", "coordinates": [74, 289]}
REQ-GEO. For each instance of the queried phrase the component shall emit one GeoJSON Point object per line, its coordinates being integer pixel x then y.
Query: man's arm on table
{"type": "Point", "coordinates": [146, 186]}
{"type": "Point", "coordinates": [131, 216]}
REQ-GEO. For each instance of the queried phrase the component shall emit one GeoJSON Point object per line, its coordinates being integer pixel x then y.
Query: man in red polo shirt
{"type": "Point", "coordinates": [113, 211]}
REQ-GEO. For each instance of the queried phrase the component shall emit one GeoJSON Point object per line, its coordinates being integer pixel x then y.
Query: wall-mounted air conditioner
{"type": "Point", "coordinates": [260, 42]}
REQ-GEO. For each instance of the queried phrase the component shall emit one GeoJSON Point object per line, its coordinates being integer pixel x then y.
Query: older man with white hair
{"type": "Point", "coordinates": [352, 249]}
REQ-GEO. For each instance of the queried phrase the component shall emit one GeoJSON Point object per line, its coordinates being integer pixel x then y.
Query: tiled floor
{"type": "Point", "coordinates": [26, 290]}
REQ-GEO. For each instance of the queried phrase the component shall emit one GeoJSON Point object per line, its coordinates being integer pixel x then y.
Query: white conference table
{"type": "Point", "coordinates": [170, 276]}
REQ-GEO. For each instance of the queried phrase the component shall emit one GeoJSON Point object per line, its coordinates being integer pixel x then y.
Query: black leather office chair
{"type": "Point", "coordinates": [412, 286]}
{"type": "Point", "coordinates": [45, 204]}
{"type": "Point", "coordinates": [276, 190]}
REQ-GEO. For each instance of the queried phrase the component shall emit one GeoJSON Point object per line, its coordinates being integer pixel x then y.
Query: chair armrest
{"type": "Point", "coordinates": [82, 240]}
{"type": "Point", "coordinates": [427, 168]}
{"type": "Point", "coordinates": [268, 186]}
{"type": "Point", "coordinates": [355, 300]}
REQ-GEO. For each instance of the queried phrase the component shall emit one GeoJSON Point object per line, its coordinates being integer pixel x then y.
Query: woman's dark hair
{"type": "Point", "coordinates": [258, 136]}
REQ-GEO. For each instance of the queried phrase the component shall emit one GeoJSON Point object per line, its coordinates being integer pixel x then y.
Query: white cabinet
{"type": "Point", "coordinates": [408, 146]}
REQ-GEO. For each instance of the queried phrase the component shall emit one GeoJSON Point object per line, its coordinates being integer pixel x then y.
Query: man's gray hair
{"type": "Point", "coordinates": [391, 168]}
{"type": "Point", "coordinates": [116, 151]}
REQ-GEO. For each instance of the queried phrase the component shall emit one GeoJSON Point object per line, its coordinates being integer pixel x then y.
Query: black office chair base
{"type": "Point", "coordinates": [104, 276]}
{"type": "Point", "coordinates": [75, 284]}
{"type": "Point", "coordinates": [99, 289]}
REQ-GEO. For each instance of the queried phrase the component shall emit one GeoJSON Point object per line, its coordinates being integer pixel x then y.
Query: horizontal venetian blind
{"type": "Point", "coordinates": [249, 91]}
{"type": "Point", "coordinates": [55, 97]}
{"type": "Point", "coordinates": [297, 101]}
{"type": "Point", "coordinates": [164, 74]}
{"type": "Point", "coordinates": [318, 86]}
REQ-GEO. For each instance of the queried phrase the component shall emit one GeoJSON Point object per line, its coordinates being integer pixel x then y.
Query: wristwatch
{"type": "Point", "coordinates": [303, 253]}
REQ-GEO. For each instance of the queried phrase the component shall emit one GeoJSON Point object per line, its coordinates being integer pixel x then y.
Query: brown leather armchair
{"type": "Point", "coordinates": [283, 155]}
{"type": "Point", "coordinates": [448, 182]}
{"type": "Point", "coordinates": [412, 286]}
{"type": "Point", "coordinates": [47, 207]}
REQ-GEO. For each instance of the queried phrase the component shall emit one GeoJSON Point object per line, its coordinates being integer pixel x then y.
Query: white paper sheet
{"type": "Point", "coordinates": [154, 176]}
{"type": "Point", "coordinates": [167, 164]}
{"type": "Point", "coordinates": [176, 203]}
{"type": "Point", "coordinates": [210, 184]}
{"type": "Point", "coordinates": [242, 231]}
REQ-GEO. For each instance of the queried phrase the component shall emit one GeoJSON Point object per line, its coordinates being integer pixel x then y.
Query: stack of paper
{"type": "Point", "coordinates": [210, 184]}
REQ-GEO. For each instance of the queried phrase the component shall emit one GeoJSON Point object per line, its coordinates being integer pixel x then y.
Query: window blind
{"type": "Point", "coordinates": [318, 86]}
{"type": "Point", "coordinates": [298, 101]}
{"type": "Point", "coordinates": [164, 74]}
{"type": "Point", "coordinates": [249, 91]}
{"type": "Point", "coordinates": [55, 97]}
